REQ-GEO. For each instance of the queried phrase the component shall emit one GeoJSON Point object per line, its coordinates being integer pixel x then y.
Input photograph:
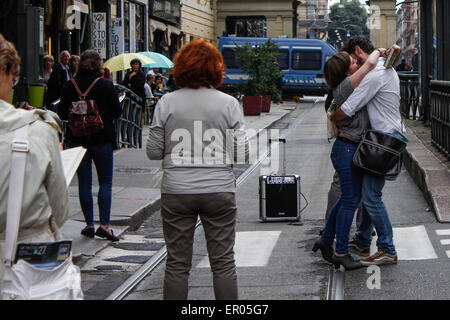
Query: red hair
{"type": "Point", "coordinates": [198, 64]}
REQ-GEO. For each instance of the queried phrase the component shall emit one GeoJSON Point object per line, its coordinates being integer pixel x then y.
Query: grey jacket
{"type": "Point", "coordinates": [199, 134]}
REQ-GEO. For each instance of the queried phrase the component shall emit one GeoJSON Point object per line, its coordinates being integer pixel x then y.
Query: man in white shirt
{"type": "Point", "coordinates": [380, 91]}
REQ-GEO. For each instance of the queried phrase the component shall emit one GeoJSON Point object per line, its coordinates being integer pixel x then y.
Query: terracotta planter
{"type": "Point", "coordinates": [252, 105]}
{"type": "Point", "coordinates": [266, 103]}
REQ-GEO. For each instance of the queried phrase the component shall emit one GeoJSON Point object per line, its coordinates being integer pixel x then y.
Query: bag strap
{"type": "Point", "coordinates": [83, 95]}
{"type": "Point", "coordinates": [20, 149]}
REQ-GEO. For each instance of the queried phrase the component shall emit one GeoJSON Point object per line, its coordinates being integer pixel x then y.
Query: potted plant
{"type": "Point", "coordinates": [251, 97]}
{"type": "Point", "coordinates": [258, 63]}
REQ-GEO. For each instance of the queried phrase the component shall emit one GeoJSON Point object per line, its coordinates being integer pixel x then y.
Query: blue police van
{"type": "Point", "coordinates": [301, 60]}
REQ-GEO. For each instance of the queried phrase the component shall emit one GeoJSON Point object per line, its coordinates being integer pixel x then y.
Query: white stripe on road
{"type": "Point", "coordinates": [445, 242]}
{"type": "Point", "coordinates": [251, 249]}
{"type": "Point", "coordinates": [448, 253]}
{"type": "Point", "coordinates": [443, 232]}
{"type": "Point", "coordinates": [411, 243]}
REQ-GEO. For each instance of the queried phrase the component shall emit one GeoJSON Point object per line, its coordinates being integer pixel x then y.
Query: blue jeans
{"type": "Point", "coordinates": [102, 155]}
{"type": "Point", "coordinates": [341, 216]}
{"type": "Point", "coordinates": [375, 214]}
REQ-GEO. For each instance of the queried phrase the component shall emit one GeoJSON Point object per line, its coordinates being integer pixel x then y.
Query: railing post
{"type": "Point", "coordinates": [129, 125]}
{"type": "Point", "coordinates": [409, 90]}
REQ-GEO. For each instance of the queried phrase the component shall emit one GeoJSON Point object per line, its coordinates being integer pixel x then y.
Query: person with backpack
{"type": "Point", "coordinates": [90, 103]}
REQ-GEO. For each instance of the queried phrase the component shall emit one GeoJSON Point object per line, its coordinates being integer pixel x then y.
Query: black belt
{"type": "Point", "coordinates": [346, 140]}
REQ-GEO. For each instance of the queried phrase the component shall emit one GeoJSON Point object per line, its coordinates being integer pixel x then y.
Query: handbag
{"type": "Point", "coordinates": [379, 154]}
{"type": "Point", "coordinates": [332, 129]}
{"type": "Point", "coordinates": [59, 280]}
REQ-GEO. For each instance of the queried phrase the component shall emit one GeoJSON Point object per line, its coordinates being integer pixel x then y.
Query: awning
{"type": "Point", "coordinates": [155, 25]}
{"type": "Point", "coordinates": [167, 28]}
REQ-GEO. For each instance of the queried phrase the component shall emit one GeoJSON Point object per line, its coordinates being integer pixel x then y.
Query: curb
{"type": "Point", "coordinates": [430, 175]}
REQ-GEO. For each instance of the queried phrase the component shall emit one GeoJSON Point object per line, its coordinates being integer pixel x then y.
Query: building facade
{"type": "Point", "coordinates": [382, 23]}
{"type": "Point", "coordinates": [165, 34]}
{"type": "Point", "coordinates": [313, 19]}
{"type": "Point", "coordinates": [198, 20]}
{"type": "Point", "coordinates": [408, 30]}
{"type": "Point", "coordinates": [256, 18]}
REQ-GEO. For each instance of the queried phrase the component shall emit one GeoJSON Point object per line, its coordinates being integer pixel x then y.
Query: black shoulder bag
{"type": "Point", "coordinates": [379, 154]}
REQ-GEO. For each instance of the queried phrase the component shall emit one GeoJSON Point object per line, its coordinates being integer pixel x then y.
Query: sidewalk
{"type": "Point", "coordinates": [136, 188]}
{"type": "Point", "coordinates": [429, 169]}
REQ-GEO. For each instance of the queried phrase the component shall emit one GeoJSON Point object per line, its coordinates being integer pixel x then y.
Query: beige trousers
{"type": "Point", "coordinates": [179, 214]}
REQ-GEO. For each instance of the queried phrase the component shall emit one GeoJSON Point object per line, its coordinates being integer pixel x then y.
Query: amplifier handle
{"type": "Point", "coordinates": [284, 151]}
{"type": "Point", "coordinates": [279, 140]}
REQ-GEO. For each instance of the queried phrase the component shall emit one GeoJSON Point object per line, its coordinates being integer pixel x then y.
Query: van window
{"type": "Point", "coordinates": [229, 58]}
{"type": "Point", "coordinates": [283, 59]}
{"type": "Point", "coordinates": [306, 59]}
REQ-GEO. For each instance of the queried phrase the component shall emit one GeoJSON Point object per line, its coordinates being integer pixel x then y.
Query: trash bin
{"type": "Point", "coordinates": [36, 95]}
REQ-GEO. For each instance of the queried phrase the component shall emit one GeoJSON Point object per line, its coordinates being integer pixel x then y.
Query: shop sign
{"type": "Point", "coordinates": [116, 36]}
{"type": "Point", "coordinates": [99, 33]}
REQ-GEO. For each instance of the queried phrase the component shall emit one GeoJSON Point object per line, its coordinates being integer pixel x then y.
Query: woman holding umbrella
{"type": "Point", "coordinates": [135, 78]}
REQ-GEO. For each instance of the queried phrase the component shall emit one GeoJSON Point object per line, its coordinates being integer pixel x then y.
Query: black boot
{"type": "Point", "coordinates": [325, 249]}
{"type": "Point", "coordinates": [347, 261]}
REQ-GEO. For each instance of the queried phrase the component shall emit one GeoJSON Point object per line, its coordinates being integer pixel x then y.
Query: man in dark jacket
{"type": "Point", "coordinates": [58, 78]}
{"type": "Point", "coordinates": [135, 79]}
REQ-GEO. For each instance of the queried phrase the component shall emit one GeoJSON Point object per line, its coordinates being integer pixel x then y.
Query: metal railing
{"type": "Point", "coordinates": [440, 115]}
{"type": "Point", "coordinates": [409, 94]}
{"type": "Point", "coordinates": [129, 125]}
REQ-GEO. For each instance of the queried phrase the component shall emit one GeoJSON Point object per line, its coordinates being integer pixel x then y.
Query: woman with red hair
{"type": "Point", "coordinates": [191, 132]}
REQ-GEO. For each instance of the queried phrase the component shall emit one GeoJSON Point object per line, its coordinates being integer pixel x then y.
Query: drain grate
{"type": "Point", "coordinates": [133, 170]}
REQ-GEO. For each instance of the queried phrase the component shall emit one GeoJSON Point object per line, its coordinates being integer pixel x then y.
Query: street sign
{"type": "Point", "coordinates": [99, 33]}
{"type": "Point", "coordinates": [116, 37]}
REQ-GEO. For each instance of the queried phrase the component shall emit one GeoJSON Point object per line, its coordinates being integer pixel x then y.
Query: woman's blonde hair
{"type": "Point", "coordinates": [9, 56]}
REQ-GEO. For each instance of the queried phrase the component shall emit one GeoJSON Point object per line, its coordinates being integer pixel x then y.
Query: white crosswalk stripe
{"type": "Point", "coordinates": [411, 243]}
{"type": "Point", "coordinates": [444, 242]}
{"type": "Point", "coordinates": [443, 232]}
{"type": "Point", "coordinates": [251, 249]}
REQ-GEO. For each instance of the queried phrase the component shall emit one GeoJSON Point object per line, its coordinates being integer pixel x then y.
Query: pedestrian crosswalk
{"type": "Point", "coordinates": [411, 243]}
{"type": "Point", "coordinates": [445, 242]}
{"type": "Point", "coordinates": [251, 249]}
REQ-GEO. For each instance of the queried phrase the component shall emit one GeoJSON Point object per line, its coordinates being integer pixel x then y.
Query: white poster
{"type": "Point", "coordinates": [117, 40]}
{"type": "Point", "coordinates": [99, 33]}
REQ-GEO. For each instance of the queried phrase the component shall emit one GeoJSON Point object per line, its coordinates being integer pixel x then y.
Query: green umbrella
{"type": "Point", "coordinates": [161, 61]}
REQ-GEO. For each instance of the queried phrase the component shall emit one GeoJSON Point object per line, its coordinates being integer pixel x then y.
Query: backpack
{"type": "Point", "coordinates": [84, 118]}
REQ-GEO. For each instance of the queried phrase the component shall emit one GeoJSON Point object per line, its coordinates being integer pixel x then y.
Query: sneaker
{"type": "Point", "coordinates": [355, 248]}
{"type": "Point", "coordinates": [379, 258]}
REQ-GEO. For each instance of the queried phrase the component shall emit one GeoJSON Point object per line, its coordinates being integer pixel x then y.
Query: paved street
{"type": "Point", "coordinates": [274, 259]}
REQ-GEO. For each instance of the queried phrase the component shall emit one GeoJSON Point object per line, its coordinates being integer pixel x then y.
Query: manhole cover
{"type": "Point", "coordinates": [132, 170]}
